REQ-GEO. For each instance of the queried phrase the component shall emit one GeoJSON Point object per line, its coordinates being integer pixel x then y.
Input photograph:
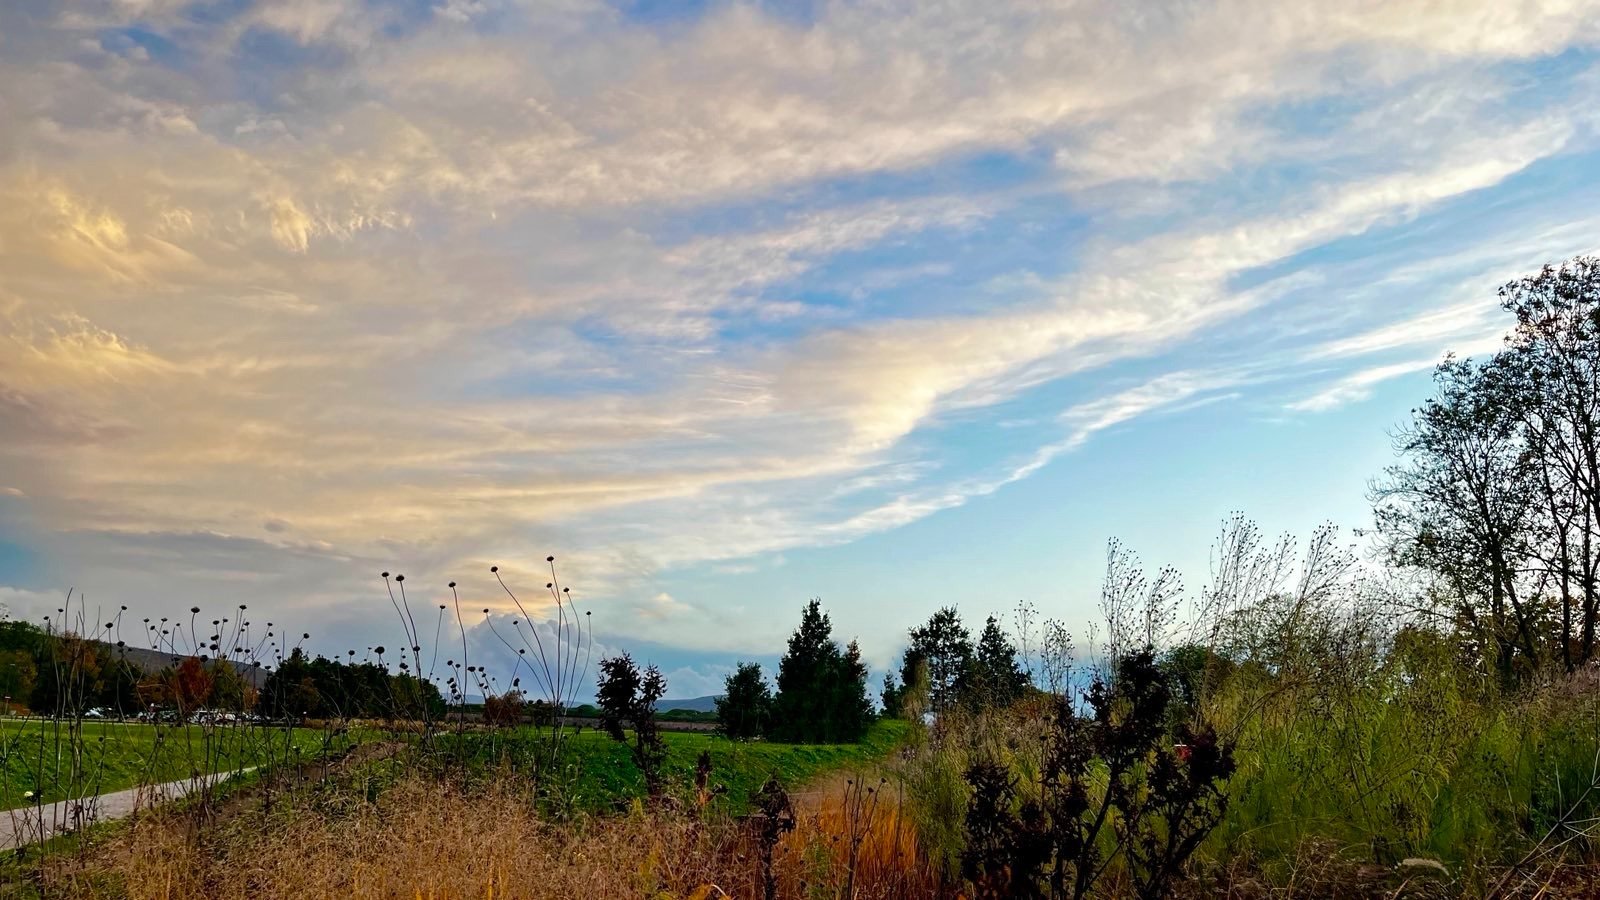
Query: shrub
{"type": "Point", "coordinates": [629, 696]}
{"type": "Point", "coordinates": [1118, 774]}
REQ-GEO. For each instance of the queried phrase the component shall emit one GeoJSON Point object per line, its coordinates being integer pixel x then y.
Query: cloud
{"type": "Point", "coordinates": [1358, 385]}
{"type": "Point", "coordinates": [663, 605]}
{"type": "Point", "coordinates": [17, 605]}
{"type": "Point", "coordinates": [306, 290]}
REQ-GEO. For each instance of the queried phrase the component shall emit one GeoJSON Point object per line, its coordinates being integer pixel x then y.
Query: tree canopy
{"type": "Point", "coordinates": [822, 688]}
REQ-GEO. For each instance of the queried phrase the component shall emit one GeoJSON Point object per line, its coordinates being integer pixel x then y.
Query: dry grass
{"type": "Point", "coordinates": [854, 831]}
{"type": "Point", "coordinates": [424, 840]}
{"type": "Point", "coordinates": [421, 839]}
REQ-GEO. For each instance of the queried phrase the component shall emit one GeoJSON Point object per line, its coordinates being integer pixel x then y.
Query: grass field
{"type": "Point", "coordinates": [37, 755]}
{"type": "Point", "coordinates": [601, 772]}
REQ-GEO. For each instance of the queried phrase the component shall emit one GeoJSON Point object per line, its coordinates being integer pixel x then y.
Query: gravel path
{"type": "Point", "coordinates": [35, 824]}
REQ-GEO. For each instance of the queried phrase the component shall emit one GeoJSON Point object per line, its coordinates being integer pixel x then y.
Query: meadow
{"type": "Point", "coordinates": [37, 756]}
{"type": "Point", "coordinates": [601, 776]}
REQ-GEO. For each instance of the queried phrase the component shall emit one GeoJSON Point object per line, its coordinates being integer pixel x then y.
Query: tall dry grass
{"type": "Point", "coordinates": [423, 838]}
{"type": "Point", "coordinates": [858, 832]}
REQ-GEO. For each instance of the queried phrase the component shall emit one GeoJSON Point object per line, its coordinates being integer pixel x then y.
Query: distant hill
{"type": "Point", "coordinates": [693, 704]}
{"type": "Point", "coordinates": [153, 661]}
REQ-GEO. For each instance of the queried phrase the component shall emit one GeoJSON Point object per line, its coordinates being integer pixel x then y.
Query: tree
{"type": "Point", "coordinates": [71, 675]}
{"type": "Point", "coordinates": [745, 707]}
{"type": "Point", "coordinates": [821, 689]}
{"type": "Point", "coordinates": [1498, 492]}
{"type": "Point", "coordinates": [504, 709]}
{"type": "Point", "coordinates": [291, 692]}
{"type": "Point", "coordinates": [18, 672]}
{"type": "Point", "coordinates": [1548, 376]}
{"type": "Point", "coordinates": [852, 709]}
{"type": "Point", "coordinates": [944, 647]}
{"type": "Point", "coordinates": [997, 679]}
{"type": "Point", "coordinates": [892, 697]}
{"type": "Point", "coordinates": [229, 690]}
{"type": "Point", "coordinates": [628, 696]}
{"type": "Point", "coordinates": [1459, 506]}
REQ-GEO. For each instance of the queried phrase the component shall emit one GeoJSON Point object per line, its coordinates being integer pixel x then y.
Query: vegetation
{"type": "Point", "coordinates": [628, 697]}
{"type": "Point", "coordinates": [35, 758]}
{"type": "Point", "coordinates": [1305, 725]}
{"type": "Point", "coordinates": [744, 711]}
{"type": "Point", "coordinates": [322, 688]}
{"type": "Point", "coordinates": [822, 689]}
{"type": "Point", "coordinates": [1497, 494]}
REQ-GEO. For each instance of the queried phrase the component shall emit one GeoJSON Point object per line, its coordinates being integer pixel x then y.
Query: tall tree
{"type": "Point", "coordinates": [852, 709]}
{"type": "Point", "coordinates": [892, 696]}
{"type": "Point", "coordinates": [821, 688]}
{"type": "Point", "coordinates": [997, 678]}
{"type": "Point", "coordinates": [943, 647]}
{"type": "Point", "coordinates": [1549, 376]}
{"type": "Point", "coordinates": [1459, 505]}
{"type": "Point", "coordinates": [291, 692]}
{"type": "Point", "coordinates": [745, 707]}
{"type": "Point", "coordinates": [1498, 494]}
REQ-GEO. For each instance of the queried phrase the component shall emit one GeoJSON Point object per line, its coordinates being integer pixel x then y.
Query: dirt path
{"type": "Point", "coordinates": [36, 824]}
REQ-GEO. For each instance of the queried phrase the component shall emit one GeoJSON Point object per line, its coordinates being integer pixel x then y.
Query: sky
{"type": "Point", "coordinates": [730, 305]}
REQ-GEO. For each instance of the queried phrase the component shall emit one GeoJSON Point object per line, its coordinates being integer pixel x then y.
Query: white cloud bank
{"type": "Point", "coordinates": [319, 287]}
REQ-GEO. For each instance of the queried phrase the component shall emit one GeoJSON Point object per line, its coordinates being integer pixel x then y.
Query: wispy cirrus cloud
{"type": "Point", "coordinates": [293, 289]}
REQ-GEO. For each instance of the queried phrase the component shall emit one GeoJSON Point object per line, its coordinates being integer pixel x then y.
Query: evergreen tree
{"type": "Point", "coordinates": [997, 679]}
{"type": "Point", "coordinates": [290, 692]}
{"type": "Point", "coordinates": [944, 648]}
{"type": "Point", "coordinates": [821, 689]}
{"type": "Point", "coordinates": [852, 710]}
{"type": "Point", "coordinates": [745, 707]}
{"type": "Point", "coordinates": [891, 697]}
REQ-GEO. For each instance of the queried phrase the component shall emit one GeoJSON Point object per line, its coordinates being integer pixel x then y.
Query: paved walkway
{"type": "Point", "coordinates": [35, 824]}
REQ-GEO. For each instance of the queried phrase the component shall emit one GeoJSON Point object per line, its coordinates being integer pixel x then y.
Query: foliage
{"type": "Point", "coordinates": [822, 689]}
{"type": "Point", "coordinates": [1118, 774]}
{"type": "Point", "coordinates": [892, 696]}
{"type": "Point", "coordinates": [70, 673]}
{"type": "Point", "coordinates": [322, 688]}
{"type": "Point", "coordinates": [745, 708]}
{"type": "Point", "coordinates": [628, 696]}
{"type": "Point", "coordinates": [504, 710]}
{"type": "Point", "coordinates": [1497, 493]}
{"type": "Point", "coordinates": [996, 678]}
{"type": "Point", "coordinates": [942, 648]}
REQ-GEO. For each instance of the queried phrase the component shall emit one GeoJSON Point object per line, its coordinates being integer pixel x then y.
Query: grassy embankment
{"type": "Point", "coordinates": [37, 755]}
{"type": "Point", "coordinates": [601, 772]}
{"type": "Point", "coordinates": [410, 824]}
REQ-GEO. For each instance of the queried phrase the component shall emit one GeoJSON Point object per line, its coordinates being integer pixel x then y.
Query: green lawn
{"type": "Point", "coordinates": [38, 755]}
{"type": "Point", "coordinates": [600, 771]}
